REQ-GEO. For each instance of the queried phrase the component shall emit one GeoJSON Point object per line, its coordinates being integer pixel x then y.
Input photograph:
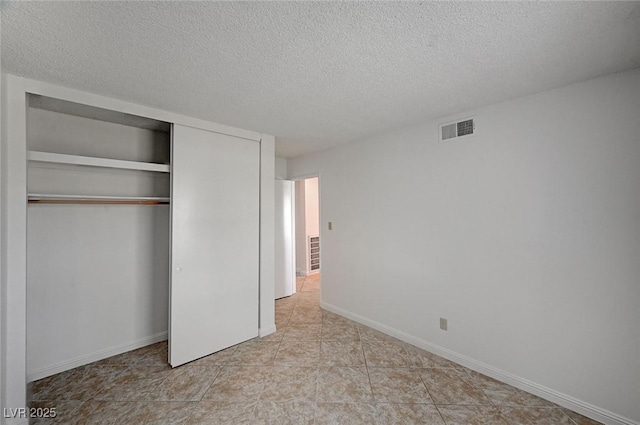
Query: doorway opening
{"type": "Point", "coordinates": [307, 234]}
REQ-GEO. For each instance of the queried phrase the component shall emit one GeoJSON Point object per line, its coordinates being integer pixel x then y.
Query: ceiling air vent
{"type": "Point", "coordinates": [457, 129]}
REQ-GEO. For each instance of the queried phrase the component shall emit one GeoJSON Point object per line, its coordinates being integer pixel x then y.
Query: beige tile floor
{"type": "Point", "coordinates": [318, 368]}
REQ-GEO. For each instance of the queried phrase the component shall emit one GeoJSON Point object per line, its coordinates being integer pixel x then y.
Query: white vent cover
{"type": "Point", "coordinates": [456, 129]}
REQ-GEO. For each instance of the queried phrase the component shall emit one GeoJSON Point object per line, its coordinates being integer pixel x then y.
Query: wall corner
{"type": "Point", "coordinates": [267, 232]}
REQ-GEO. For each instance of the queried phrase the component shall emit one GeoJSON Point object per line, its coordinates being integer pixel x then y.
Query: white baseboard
{"type": "Point", "coordinates": [571, 403]}
{"type": "Point", "coordinates": [267, 330]}
{"type": "Point", "coordinates": [95, 356]}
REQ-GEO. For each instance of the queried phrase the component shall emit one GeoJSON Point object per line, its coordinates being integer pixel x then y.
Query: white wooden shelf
{"type": "Point", "coordinates": [60, 158]}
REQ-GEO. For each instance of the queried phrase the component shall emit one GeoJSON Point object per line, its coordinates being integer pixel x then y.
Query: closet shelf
{"type": "Point", "coordinates": [96, 162]}
{"type": "Point", "coordinates": [41, 198]}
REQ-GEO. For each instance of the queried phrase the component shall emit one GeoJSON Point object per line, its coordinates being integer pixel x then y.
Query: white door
{"type": "Point", "coordinates": [214, 242]}
{"type": "Point", "coordinates": [285, 283]}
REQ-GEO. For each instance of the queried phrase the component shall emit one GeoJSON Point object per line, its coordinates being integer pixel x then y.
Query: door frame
{"type": "Point", "coordinates": [13, 210]}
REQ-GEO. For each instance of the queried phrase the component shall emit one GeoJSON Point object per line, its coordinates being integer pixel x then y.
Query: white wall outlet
{"type": "Point", "coordinates": [443, 323]}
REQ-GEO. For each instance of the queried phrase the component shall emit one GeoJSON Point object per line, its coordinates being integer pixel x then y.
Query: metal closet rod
{"type": "Point", "coordinates": [95, 200]}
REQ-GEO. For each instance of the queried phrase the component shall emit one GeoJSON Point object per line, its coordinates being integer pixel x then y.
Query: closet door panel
{"type": "Point", "coordinates": [215, 243]}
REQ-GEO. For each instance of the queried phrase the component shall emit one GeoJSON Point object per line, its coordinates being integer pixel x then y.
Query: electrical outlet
{"type": "Point", "coordinates": [443, 323]}
{"type": "Point", "coordinates": [330, 226]}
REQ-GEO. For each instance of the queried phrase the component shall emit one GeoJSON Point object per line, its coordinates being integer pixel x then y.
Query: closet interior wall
{"type": "Point", "coordinates": [97, 274]}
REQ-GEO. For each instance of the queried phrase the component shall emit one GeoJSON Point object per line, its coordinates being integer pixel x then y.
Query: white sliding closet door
{"type": "Point", "coordinates": [215, 242]}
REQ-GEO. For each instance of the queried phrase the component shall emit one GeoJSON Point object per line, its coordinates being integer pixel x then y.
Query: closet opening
{"type": "Point", "coordinates": [98, 234]}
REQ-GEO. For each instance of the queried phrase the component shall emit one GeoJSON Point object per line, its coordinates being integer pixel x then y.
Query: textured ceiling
{"type": "Point", "coordinates": [317, 74]}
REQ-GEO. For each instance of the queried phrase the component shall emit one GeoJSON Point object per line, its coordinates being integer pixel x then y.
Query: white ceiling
{"type": "Point", "coordinates": [318, 74]}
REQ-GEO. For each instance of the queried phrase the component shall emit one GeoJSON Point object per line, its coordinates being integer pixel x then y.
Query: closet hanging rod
{"type": "Point", "coordinates": [36, 198]}
{"type": "Point", "coordinates": [94, 202]}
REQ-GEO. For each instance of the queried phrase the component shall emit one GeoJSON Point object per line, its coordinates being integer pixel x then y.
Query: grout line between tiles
{"type": "Point", "coordinates": [211, 384]}
{"type": "Point", "coordinates": [366, 365]}
{"type": "Point", "coordinates": [473, 383]}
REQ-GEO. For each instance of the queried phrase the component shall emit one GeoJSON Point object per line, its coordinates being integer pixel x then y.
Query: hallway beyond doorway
{"type": "Point", "coordinates": [307, 226]}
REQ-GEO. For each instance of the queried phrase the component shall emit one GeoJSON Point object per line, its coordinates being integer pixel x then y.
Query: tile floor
{"type": "Point", "coordinates": [318, 368]}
